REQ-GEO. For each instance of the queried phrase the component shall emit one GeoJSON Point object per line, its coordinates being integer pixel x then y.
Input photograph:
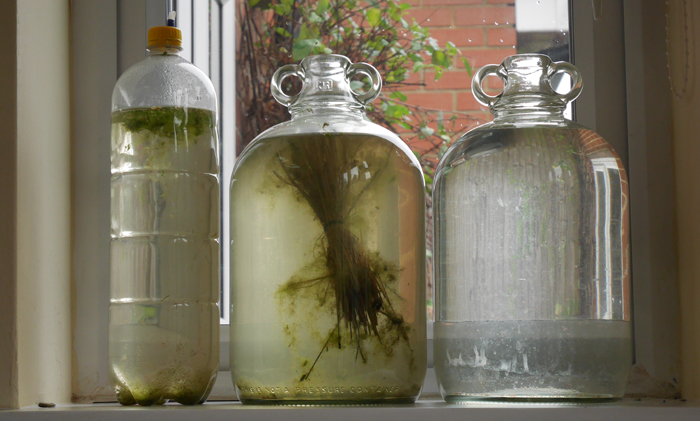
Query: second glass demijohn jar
{"type": "Point", "coordinates": [327, 250]}
{"type": "Point", "coordinates": [531, 249]}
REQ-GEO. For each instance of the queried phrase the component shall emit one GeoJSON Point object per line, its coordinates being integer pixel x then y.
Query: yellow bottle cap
{"type": "Point", "coordinates": [164, 36]}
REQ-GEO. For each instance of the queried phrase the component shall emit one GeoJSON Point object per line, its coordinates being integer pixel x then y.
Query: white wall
{"type": "Point", "coordinates": [8, 208]}
{"type": "Point", "coordinates": [43, 201]}
{"type": "Point", "coordinates": [686, 126]}
{"type": "Point", "coordinates": [542, 15]}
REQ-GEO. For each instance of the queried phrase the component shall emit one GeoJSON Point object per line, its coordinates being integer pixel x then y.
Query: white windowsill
{"type": "Point", "coordinates": [429, 407]}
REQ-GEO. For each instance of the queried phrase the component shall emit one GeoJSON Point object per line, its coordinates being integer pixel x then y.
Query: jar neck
{"type": "Point", "coordinates": [534, 107]}
{"type": "Point", "coordinates": [528, 93]}
{"type": "Point", "coordinates": [326, 89]}
{"type": "Point", "coordinates": [327, 109]}
{"type": "Point", "coordinates": [163, 50]}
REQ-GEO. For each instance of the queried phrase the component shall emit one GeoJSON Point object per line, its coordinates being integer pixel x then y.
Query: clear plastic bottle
{"type": "Point", "coordinates": [327, 251]}
{"type": "Point", "coordinates": [164, 315]}
{"type": "Point", "coordinates": [531, 250]}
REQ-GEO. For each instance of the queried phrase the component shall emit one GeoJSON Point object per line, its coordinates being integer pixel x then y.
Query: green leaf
{"type": "Point", "coordinates": [322, 6]}
{"type": "Point", "coordinates": [373, 16]}
{"type": "Point", "coordinates": [302, 48]}
{"type": "Point", "coordinates": [356, 85]}
{"type": "Point", "coordinates": [428, 179]}
{"type": "Point", "coordinates": [440, 58]}
{"type": "Point", "coordinates": [315, 18]}
{"type": "Point", "coordinates": [253, 3]}
{"type": "Point", "coordinates": [427, 130]}
{"type": "Point", "coordinates": [415, 57]}
{"type": "Point", "coordinates": [398, 95]}
{"type": "Point", "coordinates": [438, 73]}
{"type": "Point", "coordinates": [467, 66]}
{"type": "Point", "coordinates": [396, 111]}
{"type": "Point", "coordinates": [283, 32]}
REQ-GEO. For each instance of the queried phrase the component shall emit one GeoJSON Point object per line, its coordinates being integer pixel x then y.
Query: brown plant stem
{"type": "Point", "coordinates": [317, 168]}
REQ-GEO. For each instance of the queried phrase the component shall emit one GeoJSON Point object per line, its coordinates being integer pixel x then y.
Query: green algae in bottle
{"type": "Point", "coordinates": [164, 315]}
{"type": "Point", "coordinates": [531, 250]}
{"type": "Point", "coordinates": [327, 251]}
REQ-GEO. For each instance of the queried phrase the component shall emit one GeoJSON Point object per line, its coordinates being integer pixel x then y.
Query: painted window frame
{"type": "Point", "coordinates": [612, 47]}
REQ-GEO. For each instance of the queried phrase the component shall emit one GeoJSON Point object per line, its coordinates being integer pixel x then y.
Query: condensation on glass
{"type": "Point", "coordinates": [327, 251]}
{"type": "Point", "coordinates": [532, 249]}
{"type": "Point", "coordinates": [164, 315]}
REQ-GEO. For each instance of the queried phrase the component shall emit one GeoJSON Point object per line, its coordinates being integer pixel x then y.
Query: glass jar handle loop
{"type": "Point", "coordinates": [576, 79]}
{"type": "Point", "coordinates": [479, 94]}
{"type": "Point", "coordinates": [276, 85]}
{"type": "Point", "coordinates": [375, 77]}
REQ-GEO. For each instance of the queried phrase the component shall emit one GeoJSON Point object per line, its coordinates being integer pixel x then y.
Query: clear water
{"type": "Point", "coordinates": [289, 345]}
{"type": "Point", "coordinates": [532, 226]}
{"type": "Point", "coordinates": [163, 337]}
{"type": "Point", "coordinates": [533, 359]}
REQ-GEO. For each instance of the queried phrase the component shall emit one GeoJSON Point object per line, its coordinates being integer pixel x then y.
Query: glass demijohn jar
{"type": "Point", "coordinates": [164, 315]}
{"type": "Point", "coordinates": [531, 249]}
{"type": "Point", "coordinates": [327, 250]}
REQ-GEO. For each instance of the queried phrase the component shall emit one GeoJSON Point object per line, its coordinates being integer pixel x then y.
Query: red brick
{"type": "Point", "coordinates": [466, 101]}
{"type": "Point", "coordinates": [511, 2]}
{"type": "Point", "coordinates": [420, 145]}
{"type": "Point", "coordinates": [482, 57]}
{"type": "Point", "coordinates": [431, 100]}
{"type": "Point", "coordinates": [449, 80]}
{"type": "Point", "coordinates": [486, 16]}
{"type": "Point", "coordinates": [438, 17]}
{"type": "Point", "coordinates": [451, 2]}
{"type": "Point", "coordinates": [411, 2]}
{"type": "Point", "coordinates": [502, 36]}
{"type": "Point", "coordinates": [462, 37]}
{"type": "Point", "coordinates": [494, 83]}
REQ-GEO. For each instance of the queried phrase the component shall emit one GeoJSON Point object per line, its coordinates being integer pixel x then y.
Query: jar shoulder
{"type": "Point", "coordinates": [328, 124]}
{"type": "Point", "coordinates": [164, 81]}
{"type": "Point", "coordinates": [569, 138]}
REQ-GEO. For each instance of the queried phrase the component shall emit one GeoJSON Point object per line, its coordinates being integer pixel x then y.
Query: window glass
{"type": "Point", "coordinates": [426, 51]}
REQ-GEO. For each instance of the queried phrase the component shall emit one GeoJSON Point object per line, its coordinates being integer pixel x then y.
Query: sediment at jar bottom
{"type": "Point", "coordinates": [540, 359]}
{"type": "Point", "coordinates": [173, 357]}
{"type": "Point", "coordinates": [332, 391]}
{"type": "Point", "coordinates": [185, 388]}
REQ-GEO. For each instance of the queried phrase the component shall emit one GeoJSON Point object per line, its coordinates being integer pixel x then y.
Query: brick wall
{"type": "Point", "coordinates": [484, 32]}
